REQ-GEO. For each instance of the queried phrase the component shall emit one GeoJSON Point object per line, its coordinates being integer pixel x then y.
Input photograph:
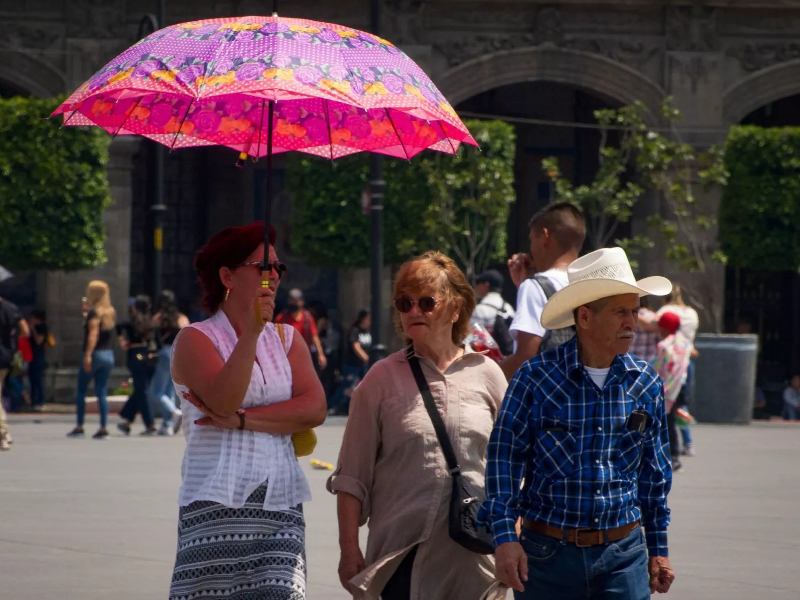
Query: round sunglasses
{"type": "Point", "coordinates": [404, 304]}
{"type": "Point", "coordinates": [276, 266]}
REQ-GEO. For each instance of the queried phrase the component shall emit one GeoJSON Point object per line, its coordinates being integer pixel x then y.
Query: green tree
{"type": "Point", "coordinates": [655, 161]}
{"type": "Point", "coordinates": [609, 199]}
{"type": "Point", "coordinates": [432, 201]}
{"type": "Point", "coordinates": [329, 227]}
{"type": "Point", "coordinates": [760, 208]}
{"type": "Point", "coordinates": [471, 196]}
{"type": "Point", "coordinates": [53, 189]}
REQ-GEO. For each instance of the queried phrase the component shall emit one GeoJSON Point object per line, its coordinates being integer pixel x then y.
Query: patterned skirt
{"type": "Point", "coordinates": [243, 553]}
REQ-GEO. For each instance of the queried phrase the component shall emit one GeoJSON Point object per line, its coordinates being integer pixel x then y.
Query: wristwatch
{"type": "Point", "coordinates": [240, 412]}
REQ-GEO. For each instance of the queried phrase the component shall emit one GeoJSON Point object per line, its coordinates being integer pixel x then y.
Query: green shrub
{"type": "Point", "coordinates": [53, 189]}
{"type": "Point", "coordinates": [760, 208]}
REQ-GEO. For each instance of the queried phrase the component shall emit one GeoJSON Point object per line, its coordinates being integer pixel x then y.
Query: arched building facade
{"type": "Point", "coordinates": [566, 58]}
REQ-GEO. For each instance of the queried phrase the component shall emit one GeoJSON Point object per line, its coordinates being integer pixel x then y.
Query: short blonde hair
{"type": "Point", "coordinates": [435, 272]}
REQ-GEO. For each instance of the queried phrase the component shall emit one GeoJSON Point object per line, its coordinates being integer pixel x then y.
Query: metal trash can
{"type": "Point", "coordinates": [725, 378]}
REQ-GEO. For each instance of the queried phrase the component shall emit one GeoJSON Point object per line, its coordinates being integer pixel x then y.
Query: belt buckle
{"type": "Point", "coordinates": [577, 538]}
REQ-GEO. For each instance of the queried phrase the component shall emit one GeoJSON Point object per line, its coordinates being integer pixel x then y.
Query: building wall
{"type": "Point", "coordinates": [719, 63]}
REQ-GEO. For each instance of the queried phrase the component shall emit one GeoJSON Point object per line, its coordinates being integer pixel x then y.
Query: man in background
{"type": "Point", "coordinates": [557, 233]}
{"type": "Point", "coordinates": [303, 321]}
{"type": "Point", "coordinates": [492, 312]}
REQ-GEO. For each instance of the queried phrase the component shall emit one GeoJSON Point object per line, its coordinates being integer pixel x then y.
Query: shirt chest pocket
{"type": "Point", "coordinates": [630, 451]}
{"type": "Point", "coordinates": [555, 447]}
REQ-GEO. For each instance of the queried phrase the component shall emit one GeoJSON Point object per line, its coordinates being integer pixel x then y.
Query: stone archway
{"type": "Point", "coordinates": [26, 73]}
{"type": "Point", "coordinates": [580, 69]}
{"type": "Point", "coordinates": [760, 88]}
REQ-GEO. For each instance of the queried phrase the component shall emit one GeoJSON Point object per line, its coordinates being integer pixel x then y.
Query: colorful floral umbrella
{"type": "Point", "coordinates": [264, 85]}
{"type": "Point", "coordinates": [336, 91]}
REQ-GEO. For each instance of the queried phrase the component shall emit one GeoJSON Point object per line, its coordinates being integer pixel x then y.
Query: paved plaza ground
{"type": "Point", "coordinates": [96, 520]}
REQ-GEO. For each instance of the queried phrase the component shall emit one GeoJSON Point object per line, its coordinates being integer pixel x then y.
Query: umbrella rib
{"type": "Point", "coordinates": [447, 137]}
{"type": "Point", "coordinates": [328, 121]}
{"type": "Point", "coordinates": [127, 116]}
{"type": "Point", "coordinates": [177, 133]}
{"type": "Point", "coordinates": [402, 145]}
{"type": "Point", "coordinates": [69, 118]}
{"type": "Point", "coordinates": [260, 130]}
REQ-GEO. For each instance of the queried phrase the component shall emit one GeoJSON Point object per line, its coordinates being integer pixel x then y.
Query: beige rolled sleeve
{"type": "Point", "coordinates": [355, 470]}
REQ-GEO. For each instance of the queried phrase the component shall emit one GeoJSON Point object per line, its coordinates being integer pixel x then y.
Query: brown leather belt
{"type": "Point", "coordinates": [582, 538]}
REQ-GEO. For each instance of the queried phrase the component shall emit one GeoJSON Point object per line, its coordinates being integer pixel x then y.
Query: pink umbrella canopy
{"type": "Point", "coordinates": [333, 91]}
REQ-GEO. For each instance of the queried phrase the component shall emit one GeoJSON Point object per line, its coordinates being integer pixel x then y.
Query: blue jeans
{"type": "Point", "coordinates": [561, 571]}
{"type": "Point", "coordinates": [789, 412]}
{"type": "Point", "coordinates": [686, 435]}
{"type": "Point", "coordinates": [102, 364]}
{"type": "Point", "coordinates": [36, 376]}
{"type": "Point", "coordinates": [161, 392]}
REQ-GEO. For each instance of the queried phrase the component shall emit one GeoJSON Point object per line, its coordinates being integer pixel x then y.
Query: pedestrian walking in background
{"type": "Point", "coordinates": [557, 233]}
{"type": "Point", "coordinates": [168, 321]}
{"type": "Point", "coordinates": [98, 357]}
{"type": "Point", "coordinates": [392, 471]}
{"type": "Point", "coordinates": [690, 322]}
{"type": "Point", "coordinates": [247, 385]}
{"type": "Point", "coordinates": [41, 339]}
{"type": "Point", "coordinates": [137, 339]}
{"type": "Point", "coordinates": [303, 321]}
{"type": "Point", "coordinates": [330, 338]}
{"type": "Point", "coordinates": [791, 400]}
{"type": "Point", "coordinates": [355, 363]}
{"type": "Point", "coordinates": [672, 364]}
{"type": "Point", "coordinates": [12, 327]}
{"type": "Point", "coordinates": [19, 397]}
{"type": "Point", "coordinates": [645, 342]}
{"type": "Point", "coordinates": [492, 312]}
{"type": "Point", "coordinates": [580, 451]}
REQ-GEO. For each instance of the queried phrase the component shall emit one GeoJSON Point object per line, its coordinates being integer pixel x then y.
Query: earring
{"type": "Point", "coordinates": [227, 293]}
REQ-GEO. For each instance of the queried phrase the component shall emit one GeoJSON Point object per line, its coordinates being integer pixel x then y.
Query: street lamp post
{"type": "Point", "coordinates": [158, 207]}
{"type": "Point", "coordinates": [376, 188]}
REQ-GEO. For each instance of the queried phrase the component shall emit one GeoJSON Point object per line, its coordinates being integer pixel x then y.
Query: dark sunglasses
{"type": "Point", "coordinates": [405, 304]}
{"type": "Point", "coordinates": [276, 266]}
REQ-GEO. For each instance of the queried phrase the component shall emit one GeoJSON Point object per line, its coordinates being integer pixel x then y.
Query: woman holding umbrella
{"type": "Point", "coordinates": [248, 386]}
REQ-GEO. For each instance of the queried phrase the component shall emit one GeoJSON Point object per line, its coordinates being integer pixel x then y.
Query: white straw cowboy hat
{"type": "Point", "coordinates": [599, 274]}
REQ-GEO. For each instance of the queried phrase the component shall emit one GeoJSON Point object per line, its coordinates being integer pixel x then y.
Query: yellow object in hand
{"type": "Point", "coordinates": [304, 442]}
{"type": "Point", "coordinates": [257, 312]}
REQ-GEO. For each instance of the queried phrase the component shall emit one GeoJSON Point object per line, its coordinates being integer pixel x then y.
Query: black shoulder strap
{"type": "Point", "coordinates": [547, 286]}
{"type": "Point", "coordinates": [433, 412]}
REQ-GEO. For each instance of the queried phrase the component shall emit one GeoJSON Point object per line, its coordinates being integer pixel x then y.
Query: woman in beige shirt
{"type": "Point", "coordinates": [392, 472]}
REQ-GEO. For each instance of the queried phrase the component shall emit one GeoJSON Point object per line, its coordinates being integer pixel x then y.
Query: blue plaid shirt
{"type": "Point", "coordinates": [582, 467]}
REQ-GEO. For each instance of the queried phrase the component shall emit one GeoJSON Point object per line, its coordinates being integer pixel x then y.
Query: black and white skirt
{"type": "Point", "coordinates": [243, 553]}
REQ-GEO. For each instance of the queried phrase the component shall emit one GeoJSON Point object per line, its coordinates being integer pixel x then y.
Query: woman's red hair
{"type": "Point", "coordinates": [228, 248]}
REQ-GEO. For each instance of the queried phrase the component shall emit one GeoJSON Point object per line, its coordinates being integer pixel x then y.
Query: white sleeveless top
{"type": "Point", "coordinates": [227, 465]}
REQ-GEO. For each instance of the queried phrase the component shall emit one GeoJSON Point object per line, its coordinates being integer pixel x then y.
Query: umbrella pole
{"type": "Point", "coordinates": [265, 270]}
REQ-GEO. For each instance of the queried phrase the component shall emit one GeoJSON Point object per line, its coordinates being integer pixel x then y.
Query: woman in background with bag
{"type": "Point", "coordinates": [392, 469]}
{"type": "Point", "coordinates": [137, 338]}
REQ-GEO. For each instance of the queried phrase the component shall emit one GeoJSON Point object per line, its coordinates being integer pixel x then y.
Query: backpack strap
{"type": "Point", "coordinates": [547, 286]}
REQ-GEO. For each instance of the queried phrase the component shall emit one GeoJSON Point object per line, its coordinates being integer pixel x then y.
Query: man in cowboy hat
{"type": "Point", "coordinates": [580, 451]}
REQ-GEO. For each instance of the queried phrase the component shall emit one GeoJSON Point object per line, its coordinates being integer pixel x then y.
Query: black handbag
{"type": "Point", "coordinates": [467, 497]}
{"type": "Point", "coordinates": [149, 354]}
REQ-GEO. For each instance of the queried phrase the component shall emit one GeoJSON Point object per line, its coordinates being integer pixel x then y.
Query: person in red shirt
{"type": "Point", "coordinates": [302, 320]}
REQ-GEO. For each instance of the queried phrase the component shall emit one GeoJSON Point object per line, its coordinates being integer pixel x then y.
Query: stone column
{"type": "Point", "coordinates": [694, 77]}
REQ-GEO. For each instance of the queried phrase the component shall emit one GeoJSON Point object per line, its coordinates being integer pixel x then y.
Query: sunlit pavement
{"type": "Point", "coordinates": [92, 520]}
